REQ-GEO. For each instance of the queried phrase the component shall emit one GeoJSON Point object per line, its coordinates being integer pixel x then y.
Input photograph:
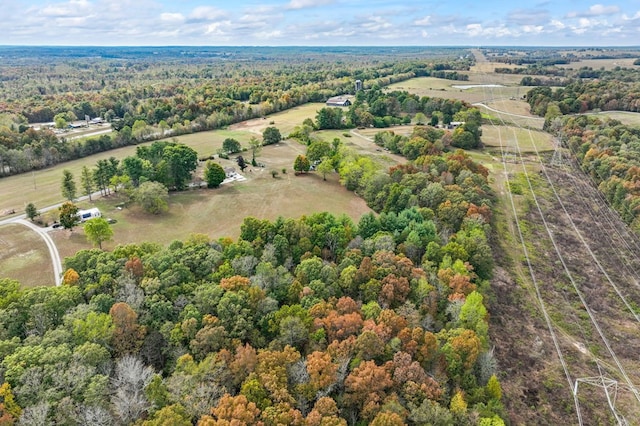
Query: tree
{"type": "Point", "coordinates": [97, 231]}
{"type": "Point", "coordinates": [420, 118]}
{"type": "Point", "coordinates": [134, 168]}
{"type": "Point", "coordinates": [255, 145]}
{"type": "Point", "coordinates": [214, 174]}
{"type": "Point", "coordinates": [69, 215]}
{"type": "Point", "coordinates": [271, 135]}
{"type": "Point", "coordinates": [231, 146]}
{"type": "Point", "coordinates": [301, 164]}
{"type": "Point", "coordinates": [127, 334]}
{"type": "Point", "coordinates": [241, 163]}
{"type": "Point", "coordinates": [152, 197]}
{"type": "Point", "coordinates": [31, 211]}
{"type": "Point", "coordinates": [317, 150]}
{"type": "Point", "coordinates": [68, 185]}
{"type": "Point", "coordinates": [86, 180]}
{"type": "Point", "coordinates": [181, 161]}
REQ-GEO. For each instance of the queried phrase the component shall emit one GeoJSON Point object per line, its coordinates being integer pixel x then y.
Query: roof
{"type": "Point", "coordinates": [338, 101]}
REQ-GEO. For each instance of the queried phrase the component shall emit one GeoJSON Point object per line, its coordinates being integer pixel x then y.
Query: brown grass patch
{"type": "Point", "coordinates": [24, 256]}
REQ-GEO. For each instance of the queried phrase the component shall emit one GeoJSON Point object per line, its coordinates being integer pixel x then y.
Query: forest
{"type": "Point", "coordinates": [148, 94]}
{"type": "Point", "coordinates": [609, 152]}
{"type": "Point", "coordinates": [310, 321]}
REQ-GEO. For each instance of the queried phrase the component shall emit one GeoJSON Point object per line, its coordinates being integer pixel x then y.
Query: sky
{"type": "Point", "coordinates": [320, 23]}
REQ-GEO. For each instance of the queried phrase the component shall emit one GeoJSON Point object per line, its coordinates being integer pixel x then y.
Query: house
{"type": "Point", "coordinates": [229, 172]}
{"type": "Point", "coordinates": [91, 213]}
{"type": "Point", "coordinates": [455, 124]}
{"type": "Point", "coordinates": [338, 101]}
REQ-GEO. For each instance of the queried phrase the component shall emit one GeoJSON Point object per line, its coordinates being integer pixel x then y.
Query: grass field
{"type": "Point", "coordinates": [285, 121]}
{"type": "Point", "coordinates": [24, 256]}
{"type": "Point", "coordinates": [625, 117]}
{"type": "Point", "coordinates": [42, 187]}
{"type": "Point", "coordinates": [528, 141]}
{"type": "Point", "coordinates": [220, 212]}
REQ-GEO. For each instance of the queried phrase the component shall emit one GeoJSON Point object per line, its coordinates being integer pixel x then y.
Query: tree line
{"type": "Point", "coordinates": [155, 99]}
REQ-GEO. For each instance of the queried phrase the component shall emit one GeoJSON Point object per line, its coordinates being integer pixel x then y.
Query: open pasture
{"type": "Point", "coordinates": [596, 64]}
{"type": "Point", "coordinates": [285, 121]}
{"type": "Point", "coordinates": [220, 212]}
{"type": "Point", "coordinates": [528, 141]}
{"type": "Point", "coordinates": [42, 187]}
{"type": "Point", "coordinates": [24, 256]}
{"type": "Point", "coordinates": [441, 88]}
{"type": "Point", "coordinates": [625, 117]}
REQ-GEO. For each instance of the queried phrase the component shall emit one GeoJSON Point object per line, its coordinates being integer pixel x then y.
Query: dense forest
{"type": "Point", "coordinates": [154, 93]}
{"type": "Point", "coordinates": [609, 152]}
{"type": "Point", "coordinates": [583, 96]}
{"type": "Point", "coordinates": [314, 321]}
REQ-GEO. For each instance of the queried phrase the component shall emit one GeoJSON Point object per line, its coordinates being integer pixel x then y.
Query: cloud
{"type": "Point", "coordinates": [595, 10]}
{"type": "Point", "coordinates": [305, 4]}
{"type": "Point", "coordinates": [625, 17]}
{"type": "Point", "coordinates": [206, 14]}
{"type": "Point", "coordinates": [423, 22]}
{"type": "Point", "coordinates": [172, 17]}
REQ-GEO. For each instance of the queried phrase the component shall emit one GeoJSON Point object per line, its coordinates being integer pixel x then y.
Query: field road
{"type": "Point", "coordinates": [44, 233]}
{"type": "Point", "coordinates": [53, 250]}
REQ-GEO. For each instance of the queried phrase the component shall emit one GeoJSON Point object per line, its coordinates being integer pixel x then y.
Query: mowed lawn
{"type": "Point", "coordinates": [24, 256]}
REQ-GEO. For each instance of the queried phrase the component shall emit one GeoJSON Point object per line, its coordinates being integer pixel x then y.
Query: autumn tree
{"type": "Point", "coordinates": [70, 277]}
{"type": "Point", "coordinates": [127, 334]}
{"type": "Point", "coordinates": [232, 410]}
{"type": "Point", "coordinates": [301, 164]}
{"type": "Point", "coordinates": [366, 387]}
{"type": "Point", "coordinates": [98, 231]}
{"type": "Point", "coordinates": [69, 215]}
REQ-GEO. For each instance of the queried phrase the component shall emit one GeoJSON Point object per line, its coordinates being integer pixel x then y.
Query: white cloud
{"type": "Point", "coordinates": [172, 17]}
{"type": "Point", "coordinates": [595, 10]}
{"type": "Point", "coordinates": [625, 17]}
{"type": "Point", "coordinates": [304, 4]}
{"type": "Point", "coordinates": [423, 22]}
{"type": "Point", "coordinates": [557, 24]}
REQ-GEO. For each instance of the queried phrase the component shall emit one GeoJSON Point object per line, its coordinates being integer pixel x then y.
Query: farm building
{"type": "Point", "coordinates": [91, 213]}
{"type": "Point", "coordinates": [338, 101]}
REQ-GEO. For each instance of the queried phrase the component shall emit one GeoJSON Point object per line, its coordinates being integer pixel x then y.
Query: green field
{"type": "Point", "coordinates": [24, 256]}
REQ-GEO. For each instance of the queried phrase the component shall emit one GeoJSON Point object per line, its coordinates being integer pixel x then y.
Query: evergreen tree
{"type": "Point", "coordinates": [68, 185]}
